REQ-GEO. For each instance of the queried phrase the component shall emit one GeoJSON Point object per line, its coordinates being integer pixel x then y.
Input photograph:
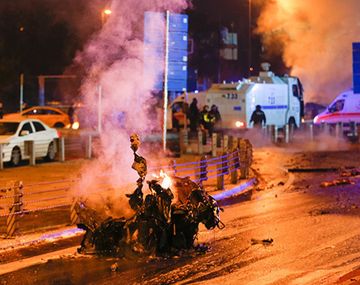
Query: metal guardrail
{"type": "Point", "coordinates": [17, 199]}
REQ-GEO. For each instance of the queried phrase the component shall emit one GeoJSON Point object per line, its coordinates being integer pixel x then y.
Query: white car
{"type": "Point", "coordinates": [14, 133]}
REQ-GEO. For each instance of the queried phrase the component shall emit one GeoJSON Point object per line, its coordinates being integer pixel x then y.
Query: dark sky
{"type": "Point", "coordinates": [43, 36]}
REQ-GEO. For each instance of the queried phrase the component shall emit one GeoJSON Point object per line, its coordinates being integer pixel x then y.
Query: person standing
{"type": "Point", "coordinates": [70, 113]}
{"type": "Point", "coordinates": [194, 116]}
{"type": "Point", "coordinates": [216, 114]}
{"type": "Point", "coordinates": [258, 117]}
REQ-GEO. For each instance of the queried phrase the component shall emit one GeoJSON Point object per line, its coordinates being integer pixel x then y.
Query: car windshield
{"type": "Point", "coordinates": [8, 128]}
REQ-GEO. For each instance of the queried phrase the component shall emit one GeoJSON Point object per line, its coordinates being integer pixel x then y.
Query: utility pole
{"type": "Point", "coordinates": [21, 91]}
{"type": "Point", "coordinates": [166, 78]}
{"type": "Point", "coordinates": [250, 40]}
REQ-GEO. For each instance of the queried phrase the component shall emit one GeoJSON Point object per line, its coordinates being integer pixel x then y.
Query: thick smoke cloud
{"type": "Point", "coordinates": [315, 39]}
{"type": "Point", "coordinates": [113, 59]}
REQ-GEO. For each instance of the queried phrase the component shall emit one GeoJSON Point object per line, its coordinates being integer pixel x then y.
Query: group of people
{"type": "Point", "coordinates": [205, 120]}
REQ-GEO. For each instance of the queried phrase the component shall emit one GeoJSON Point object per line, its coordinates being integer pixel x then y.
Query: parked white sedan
{"type": "Point", "coordinates": [14, 133]}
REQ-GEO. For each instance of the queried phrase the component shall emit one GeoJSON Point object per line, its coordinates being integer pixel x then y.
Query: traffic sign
{"type": "Point", "coordinates": [154, 54]}
{"type": "Point", "coordinates": [356, 67]}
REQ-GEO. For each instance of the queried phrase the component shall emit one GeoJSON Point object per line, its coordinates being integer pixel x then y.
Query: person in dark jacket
{"type": "Point", "coordinates": [214, 110]}
{"type": "Point", "coordinates": [258, 117]}
{"type": "Point", "coordinates": [194, 115]}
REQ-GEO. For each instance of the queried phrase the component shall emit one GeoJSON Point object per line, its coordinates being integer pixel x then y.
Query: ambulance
{"type": "Point", "coordinates": [281, 99]}
{"type": "Point", "coordinates": [344, 109]}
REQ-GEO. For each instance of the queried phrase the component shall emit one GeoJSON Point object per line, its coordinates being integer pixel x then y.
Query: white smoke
{"type": "Point", "coordinates": [315, 39]}
{"type": "Point", "coordinates": [114, 60]}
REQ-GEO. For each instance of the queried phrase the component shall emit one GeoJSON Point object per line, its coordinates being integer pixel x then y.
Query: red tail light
{"type": "Point", "coordinates": [59, 134]}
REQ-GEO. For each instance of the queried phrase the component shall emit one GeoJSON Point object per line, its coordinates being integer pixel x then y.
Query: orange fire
{"type": "Point", "coordinates": [166, 180]}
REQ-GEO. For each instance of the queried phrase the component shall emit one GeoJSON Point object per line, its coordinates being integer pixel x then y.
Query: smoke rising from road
{"type": "Point", "coordinates": [315, 40]}
{"type": "Point", "coordinates": [113, 59]}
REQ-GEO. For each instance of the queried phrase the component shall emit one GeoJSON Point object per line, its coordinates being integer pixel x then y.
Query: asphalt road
{"type": "Point", "coordinates": [315, 233]}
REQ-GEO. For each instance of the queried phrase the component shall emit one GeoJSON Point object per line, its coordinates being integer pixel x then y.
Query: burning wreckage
{"type": "Point", "coordinates": [159, 226]}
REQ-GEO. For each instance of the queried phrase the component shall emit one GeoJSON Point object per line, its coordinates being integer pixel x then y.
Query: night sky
{"type": "Point", "coordinates": [42, 37]}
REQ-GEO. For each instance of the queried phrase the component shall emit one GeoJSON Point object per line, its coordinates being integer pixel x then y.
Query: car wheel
{"type": "Point", "coordinates": [59, 125]}
{"type": "Point", "coordinates": [51, 152]}
{"type": "Point", "coordinates": [15, 156]}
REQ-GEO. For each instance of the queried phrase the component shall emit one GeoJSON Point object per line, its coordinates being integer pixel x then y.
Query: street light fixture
{"type": "Point", "coordinates": [107, 11]}
{"type": "Point", "coordinates": [104, 14]}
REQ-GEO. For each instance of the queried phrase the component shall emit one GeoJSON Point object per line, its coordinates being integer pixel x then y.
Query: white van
{"type": "Point", "coordinates": [344, 109]}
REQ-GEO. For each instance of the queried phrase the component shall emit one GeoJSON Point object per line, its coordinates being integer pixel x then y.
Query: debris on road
{"type": "Point", "coordinates": [264, 242]}
{"type": "Point", "coordinates": [336, 182]}
{"type": "Point", "coordinates": [114, 267]}
{"type": "Point", "coordinates": [326, 169]}
{"type": "Point", "coordinates": [350, 173]}
{"type": "Point", "coordinates": [319, 212]}
{"type": "Point", "coordinates": [160, 226]}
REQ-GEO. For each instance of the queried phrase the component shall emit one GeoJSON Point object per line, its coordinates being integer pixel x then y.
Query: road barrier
{"type": "Point", "coordinates": [287, 133]}
{"type": "Point", "coordinates": [18, 200]}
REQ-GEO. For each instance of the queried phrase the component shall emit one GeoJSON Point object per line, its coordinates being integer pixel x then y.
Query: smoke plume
{"type": "Point", "coordinates": [113, 59]}
{"type": "Point", "coordinates": [315, 39]}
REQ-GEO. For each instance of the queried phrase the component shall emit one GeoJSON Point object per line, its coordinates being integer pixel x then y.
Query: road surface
{"type": "Point", "coordinates": [315, 234]}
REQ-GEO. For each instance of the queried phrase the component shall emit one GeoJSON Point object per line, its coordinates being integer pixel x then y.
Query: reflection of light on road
{"type": "Point", "coordinates": [235, 190]}
{"type": "Point", "coordinates": [62, 234]}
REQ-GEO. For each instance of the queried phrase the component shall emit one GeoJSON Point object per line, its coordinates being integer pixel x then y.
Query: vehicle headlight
{"type": "Point", "coordinates": [239, 124]}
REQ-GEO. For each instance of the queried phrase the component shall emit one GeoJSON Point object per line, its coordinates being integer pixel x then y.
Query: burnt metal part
{"type": "Point", "coordinates": [158, 227]}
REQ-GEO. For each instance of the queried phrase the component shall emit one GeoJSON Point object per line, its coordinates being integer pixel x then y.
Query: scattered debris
{"type": "Point", "coordinates": [281, 183]}
{"type": "Point", "coordinates": [319, 212]}
{"type": "Point", "coordinates": [325, 169]}
{"type": "Point", "coordinates": [159, 225]}
{"type": "Point", "coordinates": [114, 267]}
{"type": "Point", "coordinates": [350, 173]}
{"type": "Point", "coordinates": [336, 182]}
{"type": "Point", "coordinates": [264, 242]}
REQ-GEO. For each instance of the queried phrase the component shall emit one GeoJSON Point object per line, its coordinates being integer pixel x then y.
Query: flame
{"type": "Point", "coordinates": [166, 180]}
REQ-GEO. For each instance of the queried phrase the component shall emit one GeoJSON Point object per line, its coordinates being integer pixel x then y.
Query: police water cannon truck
{"type": "Point", "coordinates": [281, 99]}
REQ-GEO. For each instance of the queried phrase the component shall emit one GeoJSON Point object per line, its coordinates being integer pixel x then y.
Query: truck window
{"type": "Point", "coordinates": [337, 106]}
{"type": "Point", "coordinates": [295, 90]}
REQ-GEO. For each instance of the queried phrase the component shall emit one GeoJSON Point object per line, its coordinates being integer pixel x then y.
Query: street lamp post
{"type": "Point", "coordinates": [250, 42]}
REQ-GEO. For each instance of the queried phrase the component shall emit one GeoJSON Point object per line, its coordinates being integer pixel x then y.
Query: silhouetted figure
{"type": "Point", "coordinates": [194, 115]}
{"type": "Point", "coordinates": [214, 111]}
{"type": "Point", "coordinates": [71, 112]}
{"type": "Point", "coordinates": [258, 117]}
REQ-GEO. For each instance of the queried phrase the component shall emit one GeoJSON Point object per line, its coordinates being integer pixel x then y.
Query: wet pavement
{"type": "Point", "coordinates": [315, 232]}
